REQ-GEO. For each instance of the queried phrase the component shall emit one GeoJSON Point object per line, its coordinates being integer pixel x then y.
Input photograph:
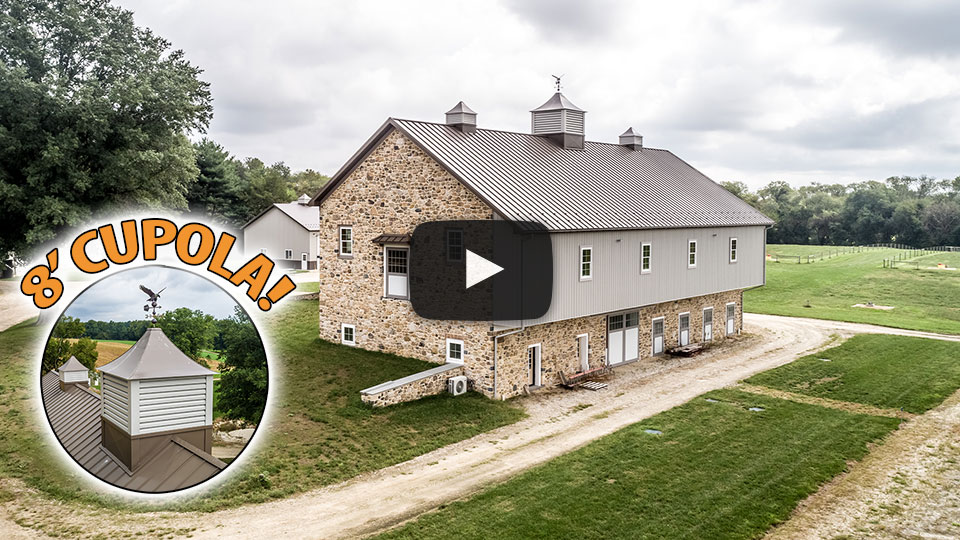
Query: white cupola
{"type": "Point", "coordinates": [151, 394]}
{"type": "Point", "coordinates": [462, 117]}
{"type": "Point", "coordinates": [73, 372]}
{"type": "Point", "coordinates": [561, 120]}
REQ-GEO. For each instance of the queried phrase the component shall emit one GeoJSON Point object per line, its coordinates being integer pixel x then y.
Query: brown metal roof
{"type": "Point", "coordinates": [74, 415]}
{"type": "Point", "coordinates": [154, 356]}
{"type": "Point", "coordinates": [386, 238]}
{"type": "Point", "coordinates": [603, 186]}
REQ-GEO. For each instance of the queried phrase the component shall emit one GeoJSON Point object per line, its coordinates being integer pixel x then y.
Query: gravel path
{"type": "Point", "coordinates": [14, 307]}
{"type": "Point", "coordinates": [558, 422]}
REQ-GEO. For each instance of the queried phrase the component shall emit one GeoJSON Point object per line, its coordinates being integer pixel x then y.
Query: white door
{"type": "Point", "coordinates": [615, 340]}
{"type": "Point", "coordinates": [731, 315]}
{"type": "Point", "coordinates": [684, 329]}
{"type": "Point", "coordinates": [303, 261]}
{"type": "Point", "coordinates": [623, 343]}
{"type": "Point", "coordinates": [583, 346]}
{"type": "Point", "coordinates": [631, 341]}
{"type": "Point", "coordinates": [657, 331]}
{"type": "Point", "coordinates": [708, 324]}
{"type": "Point", "coordinates": [533, 365]}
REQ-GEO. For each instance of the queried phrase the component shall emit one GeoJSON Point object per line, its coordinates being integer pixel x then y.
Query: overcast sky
{"type": "Point", "coordinates": [119, 298]}
{"type": "Point", "coordinates": [755, 91]}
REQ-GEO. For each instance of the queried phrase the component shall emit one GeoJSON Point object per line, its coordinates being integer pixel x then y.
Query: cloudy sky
{"type": "Point", "coordinates": [119, 298]}
{"type": "Point", "coordinates": [754, 91]}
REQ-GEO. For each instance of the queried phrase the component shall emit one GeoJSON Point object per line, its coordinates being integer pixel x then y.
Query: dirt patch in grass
{"type": "Point", "coordinates": [855, 408]}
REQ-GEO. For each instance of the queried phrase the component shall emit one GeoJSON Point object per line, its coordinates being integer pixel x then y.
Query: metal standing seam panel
{"type": "Point", "coordinates": [603, 186]}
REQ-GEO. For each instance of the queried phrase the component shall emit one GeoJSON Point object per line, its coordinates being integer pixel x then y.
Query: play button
{"type": "Point", "coordinates": [479, 269]}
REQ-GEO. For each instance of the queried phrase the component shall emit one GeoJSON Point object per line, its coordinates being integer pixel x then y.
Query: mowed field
{"type": "Point", "coordinates": [925, 299]}
{"type": "Point", "coordinates": [108, 350]}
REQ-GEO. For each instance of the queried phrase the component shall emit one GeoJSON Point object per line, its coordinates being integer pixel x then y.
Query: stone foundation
{"type": "Point", "coordinates": [426, 383]}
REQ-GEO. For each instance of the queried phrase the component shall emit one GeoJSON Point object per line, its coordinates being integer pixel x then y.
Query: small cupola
{"type": "Point", "coordinates": [462, 117]}
{"type": "Point", "coordinates": [631, 140]}
{"type": "Point", "coordinates": [561, 120]}
{"type": "Point", "coordinates": [151, 394]}
{"type": "Point", "coordinates": [304, 200]}
{"type": "Point", "coordinates": [73, 372]}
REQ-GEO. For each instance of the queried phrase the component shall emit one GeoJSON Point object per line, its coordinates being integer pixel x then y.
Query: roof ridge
{"type": "Point", "coordinates": [516, 133]}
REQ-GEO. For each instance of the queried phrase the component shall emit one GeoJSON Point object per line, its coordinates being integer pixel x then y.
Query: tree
{"type": "Point", "coordinates": [942, 222]}
{"type": "Point", "coordinates": [307, 182]}
{"type": "Point", "coordinates": [741, 190]}
{"type": "Point", "coordinates": [93, 115]}
{"type": "Point", "coordinates": [85, 349]}
{"type": "Point", "coordinates": [243, 370]}
{"type": "Point", "coordinates": [214, 192]}
{"type": "Point", "coordinates": [261, 186]}
{"type": "Point", "coordinates": [55, 354]}
{"type": "Point", "coordinates": [190, 330]}
{"type": "Point", "coordinates": [69, 327]}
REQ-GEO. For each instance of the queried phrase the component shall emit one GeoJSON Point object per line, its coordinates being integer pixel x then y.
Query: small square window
{"type": "Point", "coordinates": [346, 241]}
{"type": "Point", "coordinates": [455, 351]}
{"type": "Point", "coordinates": [733, 250]}
{"type": "Point", "coordinates": [692, 254]}
{"type": "Point", "coordinates": [348, 334]}
{"type": "Point", "coordinates": [586, 263]}
{"type": "Point", "coordinates": [646, 252]}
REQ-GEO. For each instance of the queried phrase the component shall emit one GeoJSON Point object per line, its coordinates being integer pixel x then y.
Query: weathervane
{"type": "Point", "coordinates": [151, 306]}
{"type": "Point", "coordinates": [556, 81]}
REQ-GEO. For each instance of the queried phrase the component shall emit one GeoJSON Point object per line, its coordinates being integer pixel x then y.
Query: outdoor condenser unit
{"type": "Point", "coordinates": [457, 385]}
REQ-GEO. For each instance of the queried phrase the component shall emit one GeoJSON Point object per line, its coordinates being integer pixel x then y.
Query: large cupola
{"type": "Point", "coordinates": [561, 120]}
{"type": "Point", "coordinates": [152, 394]}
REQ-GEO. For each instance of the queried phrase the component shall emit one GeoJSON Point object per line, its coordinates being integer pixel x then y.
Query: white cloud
{"type": "Point", "coordinates": [752, 91]}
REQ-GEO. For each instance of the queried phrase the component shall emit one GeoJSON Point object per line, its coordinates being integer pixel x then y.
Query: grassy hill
{"type": "Point", "coordinates": [924, 298]}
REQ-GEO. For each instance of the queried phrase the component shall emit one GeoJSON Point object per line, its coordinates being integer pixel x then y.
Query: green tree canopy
{"type": "Point", "coordinates": [93, 115]}
{"type": "Point", "coordinates": [190, 330]}
{"type": "Point", "coordinates": [69, 327]}
{"type": "Point", "coordinates": [85, 349]}
{"type": "Point", "coordinates": [243, 370]}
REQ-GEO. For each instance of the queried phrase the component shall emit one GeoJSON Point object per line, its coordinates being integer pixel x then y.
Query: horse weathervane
{"type": "Point", "coordinates": [151, 305]}
{"type": "Point", "coordinates": [556, 81]}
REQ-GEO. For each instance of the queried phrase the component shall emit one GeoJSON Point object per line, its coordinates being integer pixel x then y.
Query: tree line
{"type": "Point", "coordinates": [917, 211]}
{"type": "Point", "coordinates": [86, 130]}
{"type": "Point", "coordinates": [242, 358]}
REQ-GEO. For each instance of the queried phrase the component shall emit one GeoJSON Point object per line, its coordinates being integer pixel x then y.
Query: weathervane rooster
{"type": "Point", "coordinates": [151, 305]}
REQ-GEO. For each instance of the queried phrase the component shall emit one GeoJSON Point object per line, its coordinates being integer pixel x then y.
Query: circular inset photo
{"type": "Point", "coordinates": [154, 379]}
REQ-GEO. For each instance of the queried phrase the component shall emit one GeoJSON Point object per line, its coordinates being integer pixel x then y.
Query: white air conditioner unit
{"type": "Point", "coordinates": [457, 385]}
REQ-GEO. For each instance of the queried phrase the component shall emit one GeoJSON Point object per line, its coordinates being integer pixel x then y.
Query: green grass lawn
{"type": "Point", "coordinates": [210, 355]}
{"type": "Point", "coordinates": [320, 432]}
{"type": "Point", "coordinates": [923, 299]}
{"type": "Point", "coordinates": [308, 287]}
{"type": "Point", "coordinates": [717, 471]}
{"type": "Point", "coordinates": [884, 371]}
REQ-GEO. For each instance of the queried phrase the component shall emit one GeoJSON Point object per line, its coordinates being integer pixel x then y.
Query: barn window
{"type": "Point", "coordinates": [348, 334]}
{"type": "Point", "coordinates": [455, 351]}
{"type": "Point", "coordinates": [346, 241]}
{"type": "Point", "coordinates": [586, 263]}
{"type": "Point", "coordinates": [733, 250]}
{"type": "Point", "coordinates": [645, 256]}
{"type": "Point", "coordinates": [691, 254]}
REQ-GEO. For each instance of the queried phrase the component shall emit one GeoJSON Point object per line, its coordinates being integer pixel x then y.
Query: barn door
{"type": "Point", "coordinates": [708, 324]}
{"type": "Point", "coordinates": [684, 329]}
{"type": "Point", "coordinates": [631, 336]}
{"type": "Point", "coordinates": [615, 339]}
{"type": "Point", "coordinates": [657, 333]}
{"type": "Point", "coordinates": [731, 315]}
{"type": "Point", "coordinates": [623, 337]}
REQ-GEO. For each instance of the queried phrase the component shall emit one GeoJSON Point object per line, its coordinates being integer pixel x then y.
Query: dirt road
{"type": "Point", "coordinates": [14, 307]}
{"type": "Point", "coordinates": [558, 422]}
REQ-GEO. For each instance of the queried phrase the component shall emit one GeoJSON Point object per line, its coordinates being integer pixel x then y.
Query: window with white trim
{"type": "Point", "coordinates": [586, 263]}
{"type": "Point", "coordinates": [455, 351]}
{"type": "Point", "coordinates": [397, 270]}
{"type": "Point", "coordinates": [646, 252]}
{"type": "Point", "coordinates": [733, 250]}
{"type": "Point", "coordinates": [346, 241]}
{"type": "Point", "coordinates": [691, 254]}
{"type": "Point", "coordinates": [288, 254]}
{"type": "Point", "coordinates": [348, 334]}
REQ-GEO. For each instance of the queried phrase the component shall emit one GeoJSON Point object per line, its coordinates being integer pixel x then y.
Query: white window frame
{"type": "Point", "coordinates": [386, 272]}
{"type": "Point", "coordinates": [713, 323]}
{"type": "Point", "coordinates": [695, 253]}
{"type": "Point", "coordinates": [733, 248]}
{"type": "Point", "coordinates": [288, 254]}
{"type": "Point", "coordinates": [589, 275]}
{"type": "Point", "coordinates": [663, 321]}
{"type": "Point", "coordinates": [304, 256]}
{"type": "Point", "coordinates": [343, 334]}
{"type": "Point", "coordinates": [341, 242]}
{"type": "Point", "coordinates": [446, 350]}
{"type": "Point", "coordinates": [649, 258]}
{"type": "Point", "coordinates": [725, 307]}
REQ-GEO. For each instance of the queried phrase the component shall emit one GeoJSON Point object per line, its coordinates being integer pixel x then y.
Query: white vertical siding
{"type": "Point", "coordinates": [617, 283]}
{"type": "Point", "coordinates": [166, 404]}
{"type": "Point", "coordinates": [74, 376]}
{"type": "Point", "coordinates": [277, 232]}
{"type": "Point", "coordinates": [116, 401]}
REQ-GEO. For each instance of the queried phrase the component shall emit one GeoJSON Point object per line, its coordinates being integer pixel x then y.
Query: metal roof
{"type": "Point", "coordinates": [306, 216]}
{"type": "Point", "coordinates": [604, 186]}
{"type": "Point", "coordinates": [459, 108]}
{"type": "Point", "coordinates": [154, 356]}
{"type": "Point", "coordinates": [74, 415]}
{"type": "Point", "coordinates": [556, 102]}
{"type": "Point", "coordinates": [72, 365]}
{"type": "Point", "coordinates": [387, 238]}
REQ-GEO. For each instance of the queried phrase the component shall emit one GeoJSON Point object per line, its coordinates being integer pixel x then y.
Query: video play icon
{"type": "Point", "coordinates": [481, 270]}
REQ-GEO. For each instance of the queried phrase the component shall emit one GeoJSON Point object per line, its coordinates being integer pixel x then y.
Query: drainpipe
{"type": "Point", "coordinates": [496, 338]}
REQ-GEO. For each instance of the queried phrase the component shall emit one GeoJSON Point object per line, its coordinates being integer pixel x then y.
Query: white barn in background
{"type": "Point", "coordinates": [285, 232]}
